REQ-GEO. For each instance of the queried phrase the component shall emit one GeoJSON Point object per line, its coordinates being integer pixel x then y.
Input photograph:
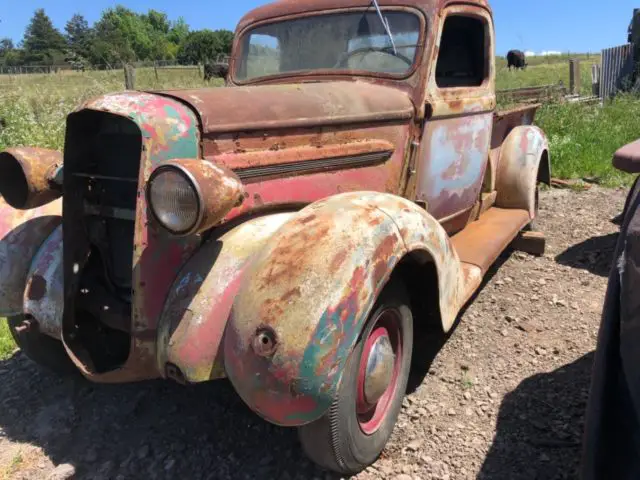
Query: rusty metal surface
{"type": "Point", "coordinates": [311, 289]}
{"type": "Point", "coordinates": [44, 291]}
{"type": "Point", "coordinates": [294, 146]}
{"type": "Point", "coordinates": [296, 7]}
{"type": "Point", "coordinates": [169, 131]}
{"type": "Point", "coordinates": [276, 153]}
{"type": "Point", "coordinates": [267, 107]}
{"type": "Point", "coordinates": [197, 309]}
{"type": "Point", "coordinates": [27, 176]}
{"type": "Point", "coordinates": [517, 173]}
{"type": "Point", "coordinates": [21, 234]}
{"type": "Point", "coordinates": [452, 163]}
{"type": "Point", "coordinates": [219, 190]}
{"type": "Point", "coordinates": [503, 122]}
{"type": "Point", "coordinates": [627, 158]}
{"type": "Point", "coordinates": [482, 241]}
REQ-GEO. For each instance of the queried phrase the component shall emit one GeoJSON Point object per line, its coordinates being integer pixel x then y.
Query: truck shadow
{"type": "Point", "coordinates": [432, 340]}
{"type": "Point", "coordinates": [594, 255]}
{"type": "Point", "coordinates": [540, 425]}
{"type": "Point", "coordinates": [147, 430]}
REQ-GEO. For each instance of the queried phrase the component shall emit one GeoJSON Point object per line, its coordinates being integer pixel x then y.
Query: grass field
{"type": "Point", "coordinates": [584, 138]}
{"type": "Point", "coordinates": [544, 71]}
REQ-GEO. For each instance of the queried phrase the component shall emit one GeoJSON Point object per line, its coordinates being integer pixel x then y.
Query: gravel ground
{"type": "Point", "coordinates": [502, 399]}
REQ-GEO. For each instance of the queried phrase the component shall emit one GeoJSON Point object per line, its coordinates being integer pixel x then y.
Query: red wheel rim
{"type": "Point", "coordinates": [372, 414]}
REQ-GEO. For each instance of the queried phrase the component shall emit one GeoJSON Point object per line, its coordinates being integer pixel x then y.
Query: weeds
{"type": "Point", "coordinates": [466, 381]}
{"type": "Point", "coordinates": [583, 138]}
{"type": "Point", "coordinates": [7, 346]}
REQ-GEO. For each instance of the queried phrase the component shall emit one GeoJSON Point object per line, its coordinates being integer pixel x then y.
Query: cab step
{"type": "Point", "coordinates": [482, 242]}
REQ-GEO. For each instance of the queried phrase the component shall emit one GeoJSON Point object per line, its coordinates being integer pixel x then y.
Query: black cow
{"type": "Point", "coordinates": [516, 59]}
{"type": "Point", "coordinates": [215, 70]}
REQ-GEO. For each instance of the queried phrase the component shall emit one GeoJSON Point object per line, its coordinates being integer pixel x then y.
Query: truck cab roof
{"type": "Point", "coordinates": [282, 8]}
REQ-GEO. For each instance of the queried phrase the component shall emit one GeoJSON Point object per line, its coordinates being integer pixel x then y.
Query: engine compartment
{"type": "Point", "coordinates": [102, 162]}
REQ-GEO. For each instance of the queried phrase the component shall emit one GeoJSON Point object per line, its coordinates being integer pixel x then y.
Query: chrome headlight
{"type": "Point", "coordinates": [174, 200]}
{"type": "Point", "coordinates": [189, 196]}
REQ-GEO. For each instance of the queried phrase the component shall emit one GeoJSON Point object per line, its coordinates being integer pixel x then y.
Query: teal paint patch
{"type": "Point", "coordinates": [170, 128]}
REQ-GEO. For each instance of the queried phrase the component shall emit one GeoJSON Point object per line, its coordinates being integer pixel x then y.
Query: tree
{"type": "Point", "coordinates": [9, 55]}
{"type": "Point", "coordinates": [226, 40]}
{"type": "Point", "coordinates": [6, 45]}
{"type": "Point", "coordinates": [79, 36]}
{"type": "Point", "coordinates": [179, 31]}
{"type": "Point", "coordinates": [204, 46]}
{"type": "Point", "coordinates": [157, 21]}
{"type": "Point", "coordinates": [42, 43]}
{"type": "Point", "coordinates": [121, 36]}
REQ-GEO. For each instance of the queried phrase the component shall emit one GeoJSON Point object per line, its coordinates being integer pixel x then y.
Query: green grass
{"type": "Point", "coordinates": [34, 107]}
{"type": "Point", "coordinates": [583, 138]}
{"type": "Point", "coordinates": [7, 346]}
{"type": "Point", "coordinates": [544, 74]}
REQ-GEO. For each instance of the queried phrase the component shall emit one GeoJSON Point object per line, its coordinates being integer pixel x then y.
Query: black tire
{"type": "Point", "coordinates": [337, 441]}
{"type": "Point", "coordinates": [41, 349]}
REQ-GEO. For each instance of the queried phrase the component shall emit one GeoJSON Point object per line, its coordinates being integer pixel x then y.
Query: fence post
{"type": "Point", "coordinates": [129, 77]}
{"type": "Point", "coordinates": [595, 80]}
{"type": "Point", "coordinates": [574, 76]}
{"type": "Point", "coordinates": [155, 69]}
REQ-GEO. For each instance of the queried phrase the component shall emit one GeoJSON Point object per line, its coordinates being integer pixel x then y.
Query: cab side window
{"type": "Point", "coordinates": [463, 60]}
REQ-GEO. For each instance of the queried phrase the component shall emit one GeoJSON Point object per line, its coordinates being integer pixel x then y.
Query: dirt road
{"type": "Point", "coordinates": [502, 399]}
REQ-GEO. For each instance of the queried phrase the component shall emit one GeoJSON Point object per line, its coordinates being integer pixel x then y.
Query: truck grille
{"type": "Point", "coordinates": [102, 162]}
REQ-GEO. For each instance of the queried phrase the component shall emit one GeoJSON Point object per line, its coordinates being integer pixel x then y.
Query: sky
{"type": "Point", "coordinates": [530, 25]}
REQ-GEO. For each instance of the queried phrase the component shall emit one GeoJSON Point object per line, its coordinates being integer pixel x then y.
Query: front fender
{"type": "Point", "coordinates": [196, 311]}
{"type": "Point", "coordinates": [524, 159]}
{"type": "Point", "coordinates": [22, 232]}
{"type": "Point", "coordinates": [312, 287]}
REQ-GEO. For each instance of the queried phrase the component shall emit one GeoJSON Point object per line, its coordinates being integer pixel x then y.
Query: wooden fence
{"type": "Point", "coordinates": [617, 70]}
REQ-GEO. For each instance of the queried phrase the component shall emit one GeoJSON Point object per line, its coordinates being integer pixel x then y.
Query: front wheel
{"type": "Point", "coordinates": [355, 430]}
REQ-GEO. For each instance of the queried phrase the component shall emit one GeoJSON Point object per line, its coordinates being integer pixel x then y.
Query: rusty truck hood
{"type": "Point", "coordinates": [241, 109]}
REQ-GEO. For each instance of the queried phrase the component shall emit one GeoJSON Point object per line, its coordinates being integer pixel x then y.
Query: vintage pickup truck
{"type": "Point", "coordinates": [297, 232]}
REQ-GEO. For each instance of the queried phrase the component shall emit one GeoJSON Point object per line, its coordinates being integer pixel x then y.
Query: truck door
{"type": "Point", "coordinates": [454, 149]}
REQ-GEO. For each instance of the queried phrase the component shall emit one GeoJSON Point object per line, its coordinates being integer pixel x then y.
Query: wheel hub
{"type": "Point", "coordinates": [378, 372]}
{"type": "Point", "coordinates": [379, 369]}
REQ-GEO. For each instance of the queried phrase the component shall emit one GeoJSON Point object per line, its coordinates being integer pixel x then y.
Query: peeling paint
{"type": "Point", "coordinates": [318, 326]}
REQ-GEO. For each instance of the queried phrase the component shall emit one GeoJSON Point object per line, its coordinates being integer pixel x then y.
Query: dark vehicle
{"type": "Point", "coordinates": [612, 433]}
{"type": "Point", "coordinates": [516, 59]}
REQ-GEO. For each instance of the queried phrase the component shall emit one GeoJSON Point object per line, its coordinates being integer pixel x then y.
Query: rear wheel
{"type": "Point", "coordinates": [42, 349]}
{"type": "Point", "coordinates": [355, 430]}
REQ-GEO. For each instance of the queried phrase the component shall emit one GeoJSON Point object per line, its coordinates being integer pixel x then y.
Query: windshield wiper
{"type": "Point", "coordinates": [385, 24]}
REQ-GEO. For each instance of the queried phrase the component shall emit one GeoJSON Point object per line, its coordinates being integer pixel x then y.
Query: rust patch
{"type": "Point", "coordinates": [337, 261]}
{"type": "Point", "coordinates": [294, 292]}
{"type": "Point", "coordinates": [37, 288]}
{"type": "Point", "coordinates": [28, 176]}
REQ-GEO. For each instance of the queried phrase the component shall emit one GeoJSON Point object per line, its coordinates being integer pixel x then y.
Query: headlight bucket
{"type": "Point", "coordinates": [189, 196]}
{"type": "Point", "coordinates": [30, 177]}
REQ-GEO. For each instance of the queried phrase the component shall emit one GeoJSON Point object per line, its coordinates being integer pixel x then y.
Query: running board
{"type": "Point", "coordinates": [481, 243]}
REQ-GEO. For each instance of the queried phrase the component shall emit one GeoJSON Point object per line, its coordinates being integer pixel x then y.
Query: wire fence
{"type": "Point", "coordinates": [78, 67]}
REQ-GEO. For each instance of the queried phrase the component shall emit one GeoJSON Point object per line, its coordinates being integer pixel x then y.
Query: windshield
{"type": "Point", "coordinates": [344, 41]}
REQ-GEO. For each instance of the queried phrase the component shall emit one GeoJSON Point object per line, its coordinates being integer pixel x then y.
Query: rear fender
{"type": "Point", "coordinates": [524, 160]}
{"type": "Point", "coordinates": [22, 232]}
{"type": "Point", "coordinates": [311, 289]}
{"type": "Point", "coordinates": [197, 308]}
